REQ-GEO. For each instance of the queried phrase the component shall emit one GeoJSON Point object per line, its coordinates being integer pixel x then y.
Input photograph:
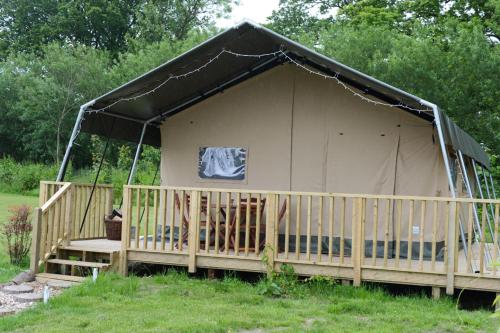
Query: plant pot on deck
{"type": "Point", "coordinates": [113, 225]}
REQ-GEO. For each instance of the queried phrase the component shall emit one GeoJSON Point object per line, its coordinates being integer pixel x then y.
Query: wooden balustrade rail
{"type": "Point", "coordinates": [51, 224]}
{"type": "Point", "coordinates": [62, 207]}
{"type": "Point", "coordinates": [364, 237]}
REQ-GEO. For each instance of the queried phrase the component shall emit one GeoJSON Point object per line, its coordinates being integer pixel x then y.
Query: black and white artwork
{"type": "Point", "coordinates": [222, 163]}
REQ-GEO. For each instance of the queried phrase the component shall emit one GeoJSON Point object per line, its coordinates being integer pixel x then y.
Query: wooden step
{"type": "Point", "coordinates": [78, 263]}
{"type": "Point", "coordinates": [44, 277]}
{"type": "Point", "coordinates": [86, 249]}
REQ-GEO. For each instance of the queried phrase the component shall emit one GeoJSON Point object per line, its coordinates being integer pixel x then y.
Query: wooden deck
{"type": "Point", "coordinates": [411, 272]}
{"type": "Point", "coordinates": [345, 223]}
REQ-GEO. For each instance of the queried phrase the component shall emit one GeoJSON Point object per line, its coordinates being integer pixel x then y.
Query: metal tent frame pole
{"type": "Point", "coordinates": [492, 186]}
{"type": "Point", "coordinates": [469, 191]}
{"type": "Point", "coordinates": [444, 152]}
{"type": "Point", "coordinates": [74, 134]}
{"type": "Point", "coordinates": [488, 193]}
{"type": "Point", "coordinates": [478, 181]}
{"type": "Point", "coordinates": [137, 154]}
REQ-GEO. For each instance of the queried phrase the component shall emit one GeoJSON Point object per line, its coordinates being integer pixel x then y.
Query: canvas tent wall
{"type": "Point", "coordinates": [304, 133]}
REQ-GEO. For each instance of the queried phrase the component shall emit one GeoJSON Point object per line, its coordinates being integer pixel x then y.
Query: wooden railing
{"type": "Point", "coordinates": [398, 239]}
{"type": "Point", "coordinates": [100, 205]}
{"type": "Point", "coordinates": [61, 214]}
{"type": "Point", "coordinates": [51, 225]}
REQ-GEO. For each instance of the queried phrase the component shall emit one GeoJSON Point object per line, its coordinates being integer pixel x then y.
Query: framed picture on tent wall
{"type": "Point", "coordinates": [222, 163]}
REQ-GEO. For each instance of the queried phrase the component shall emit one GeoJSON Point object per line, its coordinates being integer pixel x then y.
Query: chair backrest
{"type": "Point", "coordinates": [187, 205]}
{"type": "Point", "coordinates": [187, 202]}
{"type": "Point", "coordinates": [253, 205]}
{"type": "Point", "coordinates": [282, 212]}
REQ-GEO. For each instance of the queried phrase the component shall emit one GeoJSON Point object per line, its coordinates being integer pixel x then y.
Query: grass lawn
{"type": "Point", "coordinates": [7, 271]}
{"type": "Point", "coordinates": [177, 303]}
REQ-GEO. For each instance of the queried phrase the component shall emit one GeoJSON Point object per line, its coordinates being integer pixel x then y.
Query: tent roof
{"type": "Point", "coordinates": [126, 117]}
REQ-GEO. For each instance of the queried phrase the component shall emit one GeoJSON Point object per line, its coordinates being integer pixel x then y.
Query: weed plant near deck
{"type": "Point", "coordinates": [177, 303]}
{"type": "Point", "coordinates": [7, 271]}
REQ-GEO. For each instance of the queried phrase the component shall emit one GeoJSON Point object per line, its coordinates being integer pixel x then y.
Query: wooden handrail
{"type": "Point", "coordinates": [55, 197]}
{"type": "Point", "coordinates": [77, 184]}
{"type": "Point", "coordinates": [322, 194]}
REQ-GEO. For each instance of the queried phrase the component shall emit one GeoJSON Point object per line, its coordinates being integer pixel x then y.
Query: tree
{"type": "Point", "coordinates": [27, 25]}
{"type": "Point", "coordinates": [48, 92]}
{"type": "Point", "coordinates": [173, 19]}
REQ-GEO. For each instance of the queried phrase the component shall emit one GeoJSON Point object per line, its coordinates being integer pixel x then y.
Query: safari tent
{"type": "Point", "coordinates": [252, 114]}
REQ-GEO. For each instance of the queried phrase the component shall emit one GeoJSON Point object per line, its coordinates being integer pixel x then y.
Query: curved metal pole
{"type": "Point", "coordinates": [74, 134]}
{"type": "Point", "coordinates": [444, 152]}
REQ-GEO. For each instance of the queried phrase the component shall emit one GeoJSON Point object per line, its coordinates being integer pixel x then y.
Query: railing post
{"type": "Point", "coordinates": [126, 221]}
{"type": "Point", "coordinates": [36, 236]}
{"type": "Point", "coordinates": [68, 216]}
{"type": "Point", "coordinates": [271, 247]}
{"type": "Point", "coordinates": [451, 248]}
{"type": "Point", "coordinates": [194, 221]}
{"type": "Point", "coordinates": [357, 235]}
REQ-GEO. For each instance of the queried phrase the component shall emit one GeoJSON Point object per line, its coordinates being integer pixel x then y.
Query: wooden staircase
{"type": "Point", "coordinates": [74, 263]}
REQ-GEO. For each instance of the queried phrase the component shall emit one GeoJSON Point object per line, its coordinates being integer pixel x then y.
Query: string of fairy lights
{"type": "Point", "coordinates": [336, 78]}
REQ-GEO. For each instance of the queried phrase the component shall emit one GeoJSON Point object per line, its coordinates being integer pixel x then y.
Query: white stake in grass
{"type": "Point", "coordinates": [94, 274]}
{"type": "Point", "coordinates": [46, 294]}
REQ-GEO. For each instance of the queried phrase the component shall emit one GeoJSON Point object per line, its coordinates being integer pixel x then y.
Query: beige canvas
{"type": "Point", "coordinates": [305, 133]}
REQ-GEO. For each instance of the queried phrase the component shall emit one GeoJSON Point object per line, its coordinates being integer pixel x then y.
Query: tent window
{"type": "Point", "coordinates": [224, 163]}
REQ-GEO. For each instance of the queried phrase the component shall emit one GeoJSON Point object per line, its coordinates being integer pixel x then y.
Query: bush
{"type": "Point", "coordinates": [17, 231]}
{"type": "Point", "coordinates": [282, 283]}
{"type": "Point", "coordinates": [23, 178]}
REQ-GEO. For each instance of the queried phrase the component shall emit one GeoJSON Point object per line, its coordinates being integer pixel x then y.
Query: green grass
{"type": "Point", "coordinates": [7, 271]}
{"type": "Point", "coordinates": [176, 303]}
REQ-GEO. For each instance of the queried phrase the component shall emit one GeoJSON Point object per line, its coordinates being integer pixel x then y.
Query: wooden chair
{"type": "Point", "coordinates": [252, 226]}
{"type": "Point", "coordinates": [203, 222]}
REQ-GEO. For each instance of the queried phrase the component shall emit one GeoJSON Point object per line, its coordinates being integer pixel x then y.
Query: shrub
{"type": "Point", "coordinates": [23, 178]}
{"type": "Point", "coordinates": [17, 231]}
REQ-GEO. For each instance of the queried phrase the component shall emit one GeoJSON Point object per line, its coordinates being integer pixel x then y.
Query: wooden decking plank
{"type": "Point", "coordinates": [44, 277]}
{"type": "Point", "coordinates": [78, 263]}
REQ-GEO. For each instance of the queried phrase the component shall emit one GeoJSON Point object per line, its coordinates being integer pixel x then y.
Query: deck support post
{"type": "Point", "coordinates": [36, 239]}
{"type": "Point", "coordinates": [68, 217]}
{"type": "Point", "coordinates": [271, 249]}
{"type": "Point", "coordinates": [126, 221]}
{"type": "Point", "coordinates": [357, 240]}
{"type": "Point", "coordinates": [436, 292]}
{"type": "Point", "coordinates": [194, 222]}
{"type": "Point", "coordinates": [451, 248]}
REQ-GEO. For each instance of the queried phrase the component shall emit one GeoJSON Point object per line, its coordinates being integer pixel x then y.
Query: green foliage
{"type": "Point", "coordinates": [280, 284]}
{"type": "Point", "coordinates": [124, 157]}
{"type": "Point", "coordinates": [174, 19]}
{"type": "Point", "coordinates": [101, 24]}
{"type": "Point", "coordinates": [23, 178]}
{"type": "Point", "coordinates": [28, 25]}
{"type": "Point", "coordinates": [7, 270]}
{"type": "Point", "coordinates": [57, 55]}
{"type": "Point", "coordinates": [17, 232]}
